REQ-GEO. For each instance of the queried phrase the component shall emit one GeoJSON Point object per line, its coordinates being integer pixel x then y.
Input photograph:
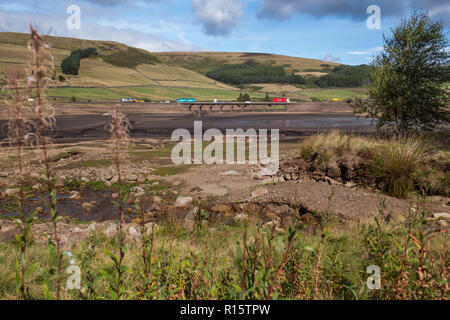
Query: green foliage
{"type": "Point", "coordinates": [267, 98]}
{"type": "Point", "coordinates": [253, 72]}
{"type": "Point", "coordinates": [407, 91]}
{"type": "Point", "coordinates": [71, 64]}
{"type": "Point", "coordinates": [345, 76]}
{"type": "Point", "coordinates": [130, 58]}
{"type": "Point", "coordinates": [243, 97]}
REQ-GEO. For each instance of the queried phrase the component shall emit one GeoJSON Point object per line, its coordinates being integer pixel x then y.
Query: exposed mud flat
{"type": "Point", "coordinates": [87, 122]}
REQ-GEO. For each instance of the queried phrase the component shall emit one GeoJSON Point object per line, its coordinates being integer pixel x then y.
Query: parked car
{"type": "Point", "coordinates": [128, 100]}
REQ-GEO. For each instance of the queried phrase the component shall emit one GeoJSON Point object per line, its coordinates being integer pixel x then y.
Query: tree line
{"type": "Point", "coordinates": [345, 76]}
{"type": "Point", "coordinates": [254, 72]}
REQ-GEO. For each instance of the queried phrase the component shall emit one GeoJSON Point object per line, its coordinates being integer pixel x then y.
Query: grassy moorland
{"type": "Point", "coordinates": [203, 62]}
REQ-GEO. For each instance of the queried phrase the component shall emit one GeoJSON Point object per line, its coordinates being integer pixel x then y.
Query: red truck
{"type": "Point", "coordinates": [278, 99]}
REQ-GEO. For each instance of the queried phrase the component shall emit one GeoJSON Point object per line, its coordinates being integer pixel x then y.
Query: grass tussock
{"type": "Point", "coordinates": [403, 164]}
{"type": "Point", "coordinates": [396, 161]}
{"type": "Point", "coordinates": [322, 147]}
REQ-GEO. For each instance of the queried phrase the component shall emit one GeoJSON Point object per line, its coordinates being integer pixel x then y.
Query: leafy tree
{"type": "Point", "coordinates": [407, 91]}
{"type": "Point", "coordinates": [267, 98]}
{"type": "Point", "coordinates": [243, 97]}
{"type": "Point", "coordinates": [70, 65]}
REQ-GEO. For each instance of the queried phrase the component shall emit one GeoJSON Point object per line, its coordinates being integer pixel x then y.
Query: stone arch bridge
{"type": "Point", "coordinates": [235, 106]}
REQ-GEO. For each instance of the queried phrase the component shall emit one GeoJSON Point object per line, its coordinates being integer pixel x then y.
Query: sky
{"type": "Point", "coordinates": [330, 30]}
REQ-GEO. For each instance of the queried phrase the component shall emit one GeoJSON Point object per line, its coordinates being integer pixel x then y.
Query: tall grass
{"type": "Point", "coordinates": [119, 129]}
{"type": "Point", "coordinates": [399, 162]}
{"type": "Point", "coordinates": [19, 127]}
{"type": "Point", "coordinates": [234, 262]}
{"type": "Point", "coordinates": [40, 71]}
{"type": "Point", "coordinates": [322, 147]}
{"type": "Point", "coordinates": [396, 162]}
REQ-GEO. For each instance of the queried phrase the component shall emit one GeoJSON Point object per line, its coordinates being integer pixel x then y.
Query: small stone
{"type": "Point", "coordinates": [11, 192]}
{"type": "Point", "coordinates": [150, 227]}
{"type": "Point", "coordinates": [259, 192]}
{"type": "Point", "coordinates": [183, 201]}
{"type": "Point", "coordinates": [271, 224]}
{"type": "Point", "coordinates": [270, 169]}
{"type": "Point", "coordinates": [350, 184]}
{"type": "Point", "coordinates": [189, 219]}
{"type": "Point", "coordinates": [288, 176]}
{"type": "Point", "coordinates": [441, 215]}
{"type": "Point", "coordinates": [157, 199]}
{"type": "Point", "coordinates": [111, 231]}
{"type": "Point", "coordinates": [133, 234]}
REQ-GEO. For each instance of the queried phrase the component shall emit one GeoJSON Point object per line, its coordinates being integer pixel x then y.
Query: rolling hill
{"type": "Point", "coordinates": [204, 62]}
{"type": "Point", "coordinates": [109, 74]}
{"type": "Point", "coordinates": [122, 71]}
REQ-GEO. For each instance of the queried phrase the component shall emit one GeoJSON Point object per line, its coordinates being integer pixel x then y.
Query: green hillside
{"type": "Point", "coordinates": [116, 71]}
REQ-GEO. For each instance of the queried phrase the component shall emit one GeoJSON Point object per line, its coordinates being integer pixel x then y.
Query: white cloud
{"type": "Point", "coordinates": [218, 17]}
{"type": "Point", "coordinates": [366, 51]}
{"type": "Point", "coordinates": [329, 58]}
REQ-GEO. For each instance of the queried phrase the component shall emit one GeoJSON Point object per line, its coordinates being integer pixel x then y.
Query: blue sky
{"type": "Point", "coordinates": [331, 30]}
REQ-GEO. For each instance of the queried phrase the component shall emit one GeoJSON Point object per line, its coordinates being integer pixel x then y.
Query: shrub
{"type": "Point", "coordinates": [130, 58]}
{"type": "Point", "coordinates": [73, 99]}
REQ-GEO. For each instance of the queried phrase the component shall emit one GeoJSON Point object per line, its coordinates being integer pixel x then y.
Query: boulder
{"type": "Point", "coordinates": [334, 171]}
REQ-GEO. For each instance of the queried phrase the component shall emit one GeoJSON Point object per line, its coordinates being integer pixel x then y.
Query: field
{"type": "Point", "coordinates": [328, 94]}
{"type": "Point", "coordinates": [153, 92]}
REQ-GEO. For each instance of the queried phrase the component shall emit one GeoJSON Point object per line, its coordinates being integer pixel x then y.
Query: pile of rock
{"type": "Point", "coordinates": [337, 171]}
